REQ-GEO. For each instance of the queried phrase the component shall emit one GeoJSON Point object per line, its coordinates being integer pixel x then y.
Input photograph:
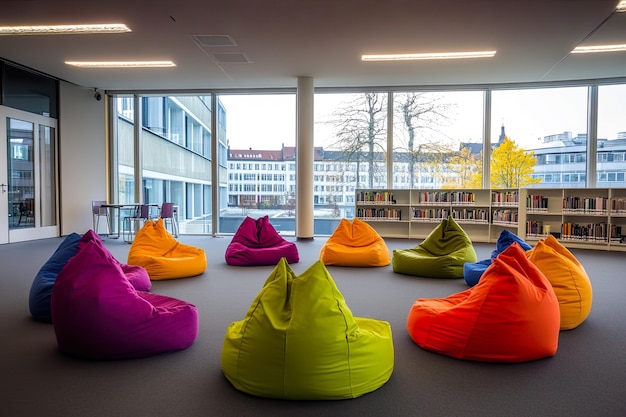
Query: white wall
{"type": "Point", "coordinates": [82, 156]}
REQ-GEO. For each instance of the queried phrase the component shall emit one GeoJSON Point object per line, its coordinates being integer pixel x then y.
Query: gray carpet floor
{"type": "Point", "coordinates": [587, 376]}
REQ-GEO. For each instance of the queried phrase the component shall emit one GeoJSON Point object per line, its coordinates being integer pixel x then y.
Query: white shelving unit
{"type": "Point", "coordinates": [422, 210]}
{"type": "Point", "coordinates": [580, 218]}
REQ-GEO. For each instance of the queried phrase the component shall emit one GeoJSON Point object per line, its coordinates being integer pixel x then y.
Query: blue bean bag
{"type": "Point", "coordinates": [472, 271]}
{"type": "Point", "coordinates": [43, 284]}
{"type": "Point", "coordinates": [41, 288]}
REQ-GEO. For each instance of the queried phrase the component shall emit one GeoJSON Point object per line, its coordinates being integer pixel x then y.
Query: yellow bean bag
{"type": "Point", "coordinates": [162, 255]}
{"type": "Point", "coordinates": [355, 243]}
{"type": "Point", "coordinates": [568, 277]}
{"type": "Point", "coordinates": [300, 341]}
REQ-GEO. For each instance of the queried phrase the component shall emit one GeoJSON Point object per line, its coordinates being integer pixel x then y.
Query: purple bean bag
{"type": "Point", "coordinates": [256, 242]}
{"type": "Point", "coordinates": [472, 271]}
{"type": "Point", "coordinates": [98, 314]}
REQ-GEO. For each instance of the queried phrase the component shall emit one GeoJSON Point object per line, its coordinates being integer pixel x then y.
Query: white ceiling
{"type": "Point", "coordinates": [323, 39]}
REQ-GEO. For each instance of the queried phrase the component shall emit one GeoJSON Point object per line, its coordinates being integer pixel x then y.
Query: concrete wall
{"type": "Point", "coordinates": [82, 156]}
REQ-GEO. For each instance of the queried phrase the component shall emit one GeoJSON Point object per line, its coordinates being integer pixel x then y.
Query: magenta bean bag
{"type": "Point", "coordinates": [136, 275]}
{"type": "Point", "coordinates": [256, 242]}
{"type": "Point", "coordinates": [98, 314]}
{"type": "Point", "coordinates": [43, 284]}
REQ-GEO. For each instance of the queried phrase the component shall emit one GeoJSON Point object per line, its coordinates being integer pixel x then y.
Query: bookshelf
{"type": "Point", "coordinates": [421, 210]}
{"type": "Point", "coordinates": [589, 218]}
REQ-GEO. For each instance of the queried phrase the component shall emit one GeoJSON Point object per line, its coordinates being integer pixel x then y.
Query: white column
{"type": "Point", "coordinates": [304, 159]}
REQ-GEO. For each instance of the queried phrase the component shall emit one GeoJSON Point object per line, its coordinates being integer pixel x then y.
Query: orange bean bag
{"type": "Point", "coordinates": [511, 315]}
{"type": "Point", "coordinates": [162, 255]}
{"type": "Point", "coordinates": [568, 277]}
{"type": "Point", "coordinates": [355, 243]}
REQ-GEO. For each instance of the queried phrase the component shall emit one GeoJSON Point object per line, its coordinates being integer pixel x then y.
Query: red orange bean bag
{"type": "Point", "coordinates": [164, 257]}
{"type": "Point", "coordinates": [355, 243]}
{"type": "Point", "coordinates": [568, 277]}
{"type": "Point", "coordinates": [256, 242]}
{"type": "Point", "coordinates": [510, 315]}
{"type": "Point", "coordinates": [300, 341]}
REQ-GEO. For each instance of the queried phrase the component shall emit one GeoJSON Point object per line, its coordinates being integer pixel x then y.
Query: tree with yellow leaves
{"type": "Point", "coordinates": [512, 166]}
{"type": "Point", "coordinates": [467, 169]}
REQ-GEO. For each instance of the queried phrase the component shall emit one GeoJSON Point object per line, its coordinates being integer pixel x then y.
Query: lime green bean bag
{"type": "Point", "coordinates": [300, 341]}
{"type": "Point", "coordinates": [441, 255]}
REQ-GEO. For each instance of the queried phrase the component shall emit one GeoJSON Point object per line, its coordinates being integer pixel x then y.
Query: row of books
{"type": "Point", "coordinates": [445, 197]}
{"type": "Point", "coordinates": [431, 213]}
{"type": "Point", "coordinates": [585, 204]}
{"type": "Point", "coordinates": [376, 196]}
{"type": "Point", "coordinates": [473, 215]}
{"type": "Point", "coordinates": [504, 216]}
{"type": "Point", "coordinates": [618, 205]}
{"type": "Point", "coordinates": [505, 198]}
{"type": "Point", "coordinates": [536, 202]}
{"type": "Point", "coordinates": [599, 232]}
{"type": "Point", "coordinates": [379, 214]}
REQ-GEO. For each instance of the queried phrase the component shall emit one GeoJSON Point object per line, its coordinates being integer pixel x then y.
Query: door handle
{"type": "Point", "coordinates": [4, 188]}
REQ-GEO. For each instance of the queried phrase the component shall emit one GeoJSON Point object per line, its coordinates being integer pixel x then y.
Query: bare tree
{"type": "Point", "coordinates": [359, 126]}
{"type": "Point", "coordinates": [418, 133]}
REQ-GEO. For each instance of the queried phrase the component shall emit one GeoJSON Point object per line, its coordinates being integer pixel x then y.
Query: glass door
{"type": "Point", "coordinates": [28, 180]}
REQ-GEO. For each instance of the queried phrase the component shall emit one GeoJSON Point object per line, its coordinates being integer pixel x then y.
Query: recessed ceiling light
{"type": "Point", "coordinates": [599, 48]}
{"type": "Point", "coordinates": [436, 55]}
{"type": "Point", "coordinates": [121, 64]}
{"type": "Point", "coordinates": [621, 6]}
{"type": "Point", "coordinates": [64, 29]}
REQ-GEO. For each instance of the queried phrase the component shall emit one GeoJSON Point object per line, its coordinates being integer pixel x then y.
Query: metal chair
{"type": "Point", "coordinates": [169, 216]}
{"type": "Point", "coordinates": [98, 211]}
{"type": "Point", "coordinates": [134, 222]}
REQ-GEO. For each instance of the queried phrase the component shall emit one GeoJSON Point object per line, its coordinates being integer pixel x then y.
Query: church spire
{"type": "Point", "coordinates": [502, 134]}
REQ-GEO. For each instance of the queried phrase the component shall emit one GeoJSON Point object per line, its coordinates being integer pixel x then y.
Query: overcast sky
{"type": "Point", "coordinates": [267, 121]}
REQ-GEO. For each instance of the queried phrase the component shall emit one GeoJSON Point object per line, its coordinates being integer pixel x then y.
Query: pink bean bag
{"type": "Point", "coordinates": [510, 315]}
{"type": "Point", "coordinates": [256, 242]}
{"type": "Point", "coordinates": [98, 314]}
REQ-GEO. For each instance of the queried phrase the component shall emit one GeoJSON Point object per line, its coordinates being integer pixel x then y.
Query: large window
{"type": "Point", "coordinates": [437, 139]}
{"type": "Point", "coordinates": [534, 137]}
{"type": "Point", "coordinates": [175, 142]}
{"type": "Point", "coordinates": [260, 130]}
{"type": "Point", "coordinates": [611, 159]}
{"type": "Point", "coordinates": [539, 138]}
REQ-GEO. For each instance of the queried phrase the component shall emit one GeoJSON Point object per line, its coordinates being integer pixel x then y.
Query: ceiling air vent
{"type": "Point", "coordinates": [214, 40]}
{"type": "Point", "coordinates": [231, 58]}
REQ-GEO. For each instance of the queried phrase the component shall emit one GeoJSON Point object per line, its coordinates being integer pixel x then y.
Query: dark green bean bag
{"type": "Point", "coordinates": [441, 255]}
